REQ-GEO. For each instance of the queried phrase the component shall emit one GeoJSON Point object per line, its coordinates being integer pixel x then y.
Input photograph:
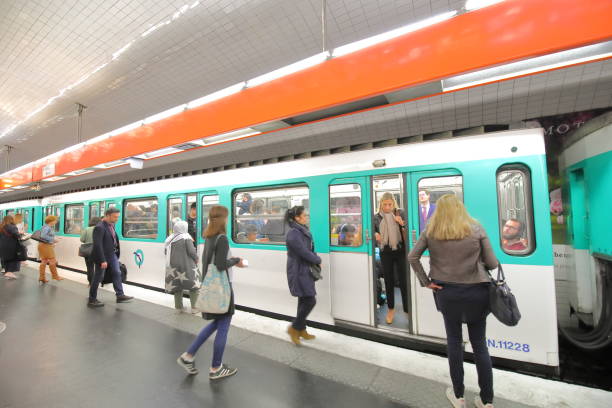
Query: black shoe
{"type": "Point", "coordinates": [95, 303]}
{"type": "Point", "coordinates": [124, 298]}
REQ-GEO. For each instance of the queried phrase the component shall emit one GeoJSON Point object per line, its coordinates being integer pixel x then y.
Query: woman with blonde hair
{"type": "Point", "coordinates": [216, 249]}
{"type": "Point", "coordinates": [46, 250]}
{"type": "Point", "coordinates": [459, 252]}
{"type": "Point", "coordinates": [389, 230]}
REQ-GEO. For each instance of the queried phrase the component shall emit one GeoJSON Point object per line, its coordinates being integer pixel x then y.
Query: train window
{"type": "Point", "coordinates": [175, 211]}
{"type": "Point", "coordinates": [259, 214]}
{"type": "Point", "coordinates": [345, 217]}
{"type": "Point", "coordinates": [94, 210]}
{"type": "Point", "coordinates": [208, 202]}
{"type": "Point", "coordinates": [73, 220]}
{"type": "Point", "coordinates": [27, 220]}
{"type": "Point", "coordinates": [515, 210]}
{"type": "Point", "coordinates": [140, 218]}
{"type": "Point", "coordinates": [430, 189]}
{"type": "Point", "coordinates": [57, 211]}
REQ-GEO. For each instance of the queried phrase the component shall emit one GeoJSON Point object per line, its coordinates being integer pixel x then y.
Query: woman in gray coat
{"type": "Point", "coordinates": [459, 254]}
{"type": "Point", "coordinates": [182, 274]}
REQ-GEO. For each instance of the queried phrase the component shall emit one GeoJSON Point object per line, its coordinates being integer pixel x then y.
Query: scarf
{"type": "Point", "coordinates": [389, 231]}
{"type": "Point", "coordinates": [179, 231]}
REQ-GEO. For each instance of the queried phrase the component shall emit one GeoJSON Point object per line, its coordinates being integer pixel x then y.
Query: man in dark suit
{"type": "Point", "coordinates": [106, 255]}
{"type": "Point", "coordinates": [426, 209]}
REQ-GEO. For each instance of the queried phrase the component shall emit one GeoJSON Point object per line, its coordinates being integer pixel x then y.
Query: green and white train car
{"type": "Point", "coordinates": [498, 175]}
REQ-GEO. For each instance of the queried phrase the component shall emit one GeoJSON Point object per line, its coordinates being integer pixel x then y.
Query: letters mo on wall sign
{"type": "Point", "coordinates": [48, 170]}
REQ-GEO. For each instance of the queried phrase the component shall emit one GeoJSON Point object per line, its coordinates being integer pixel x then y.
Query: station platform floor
{"type": "Point", "coordinates": [56, 352]}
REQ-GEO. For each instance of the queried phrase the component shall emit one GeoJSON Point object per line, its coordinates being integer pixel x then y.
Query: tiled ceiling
{"type": "Point", "coordinates": [47, 46]}
{"type": "Point", "coordinates": [512, 102]}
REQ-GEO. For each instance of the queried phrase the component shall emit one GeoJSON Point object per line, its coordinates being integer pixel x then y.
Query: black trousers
{"type": "Point", "coordinates": [91, 267]}
{"type": "Point", "coordinates": [304, 307]}
{"type": "Point", "coordinates": [390, 258]}
{"type": "Point", "coordinates": [467, 303]}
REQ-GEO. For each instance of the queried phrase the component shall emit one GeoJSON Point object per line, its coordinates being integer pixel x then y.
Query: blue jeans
{"type": "Point", "coordinates": [221, 325]}
{"type": "Point", "coordinates": [113, 265]}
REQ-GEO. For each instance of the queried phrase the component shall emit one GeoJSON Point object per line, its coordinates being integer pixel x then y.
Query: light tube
{"type": "Point", "coordinates": [165, 114]}
{"type": "Point", "coordinates": [216, 95]}
{"type": "Point", "coordinates": [125, 128]}
{"type": "Point", "coordinates": [368, 42]}
{"type": "Point", "coordinates": [288, 69]}
{"type": "Point", "coordinates": [471, 5]}
{"type": "Point", "coordinates": [231, 135]}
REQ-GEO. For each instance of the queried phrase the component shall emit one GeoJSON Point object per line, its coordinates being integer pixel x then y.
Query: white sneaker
{"type": "Point", "coordinates": [455, 402]}
{"type": "Point", "coordinates": [478, 403]}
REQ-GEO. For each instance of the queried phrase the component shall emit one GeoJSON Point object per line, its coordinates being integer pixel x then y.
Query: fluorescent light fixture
{"type": "Point", "coordinates": [236, 134]}
{"type": "Point", "coordinates": [54, 178]}
{"type": "Point", "coordinates": [110, 164]}
{"type": "Point", "coordinates": [368, 42]}
{"type": "Point", "coordinates": [125, 128]}
{"type": "Point", "coordinates": [529, 66]}
{"type": "Point", "coordinates": [157, 153]}
{"type": "Point", "coordinates": [98, 138]}
{"type": "Point", "coordinates": [288, 69]}
{"type": "Point", "coordinates": [79, 172]}
{"type": "Point", "coordinates": [165, 114]}
{"type": "Point", "coordinates": [471, 5]}
{"type": "Point", "coordinates": [20, 187]}
{"type": "Point", "coordinates": [216, 95]}
{"type": "Point", "coordinates": [189, 145]}
{"type": "Point", "coordinates": [135, 162]}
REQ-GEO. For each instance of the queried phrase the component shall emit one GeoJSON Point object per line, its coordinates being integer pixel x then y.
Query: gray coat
{"type": "Point", "coordinates": [183, 273]}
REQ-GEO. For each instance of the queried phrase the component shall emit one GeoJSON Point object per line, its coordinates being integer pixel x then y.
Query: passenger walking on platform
{"type": "Point", "coordinates": [46, 250]}
{"type": "Point", "coordinates": [9, 244]}
{"type": "Point", "coordinates": [300, 257]}
{"type": "Point", "coordinates": [105, 255]}
{"type": "Point", "coordinates": [87, 238]}
{"type": "Point", "coordinates": [216, 247]}
{"type": "Point", "coordinates": [182, 272]}
{"type": "Point", "coordinates": [389, 229]}
{"type": "Point", "coordinates": [459, 252]}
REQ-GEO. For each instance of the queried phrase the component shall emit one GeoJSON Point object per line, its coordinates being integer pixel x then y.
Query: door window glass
{"type": "Point", "coordinates": [208, 202]}
{"type": "Point", "coordinates": [175, 212]}
{"type": "Point", "coordinates": [73, 219]}
{"type": "Point", "coordinates": [345, 218]}
{"type": "Point", "coordinates": [430, 189]}
{"type": "Point", "coordinates": [515, 210]}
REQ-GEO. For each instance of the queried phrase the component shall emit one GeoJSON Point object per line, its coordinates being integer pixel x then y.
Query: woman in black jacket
{"type": "Point", "coordinates": [217, 246]}
{"type": "Point", "coordinates": [9, 245]}
{"type": "Point", "coordinates": [300, 256]}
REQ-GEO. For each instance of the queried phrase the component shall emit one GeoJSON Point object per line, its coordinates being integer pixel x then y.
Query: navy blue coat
{"type": "Point", "coordinates": [300, 256]}
{"type": "Point", "coordinates": [103, 243]}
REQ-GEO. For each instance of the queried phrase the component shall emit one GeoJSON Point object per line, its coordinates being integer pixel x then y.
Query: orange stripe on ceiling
{"type": "Point", "coordinates": [508, 31]}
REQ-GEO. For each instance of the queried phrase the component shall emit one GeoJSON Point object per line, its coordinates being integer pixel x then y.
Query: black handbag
{"type": "Point", "coordinates": [22, 252]}
{"type": "Point", "coordinates": [502, 301]}
{"type": "Point", "coordinates": [315, 272]}
{"type": "Point", "coordinates": [37, 237]}
{"type": "Point", "coordinates": [86, 249]}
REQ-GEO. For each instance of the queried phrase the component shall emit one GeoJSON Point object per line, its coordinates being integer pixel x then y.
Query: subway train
{"type": "Point", "coordinates": [501, 177]}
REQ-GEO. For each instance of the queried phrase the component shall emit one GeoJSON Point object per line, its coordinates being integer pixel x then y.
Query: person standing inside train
{"type": "Point", "coordinates": [46, 250]}
{"type": "Point", "coordinates": [216, 247]}
{"type": "Point", "coordinates": [105, 255]}
{"type": "Point", "coordinates": [459, 252]}
{"type": "Point", "coordinates": [192, 222]}
{"type": "Point", "coordinates": [87, 238]}
{"type": "Point", "coordinates": [300, 256]}
{"type": "Point", "coordinates": [389, 230]}
{"type": "Point", "coordinates": [182, 274]}
{"type": "Point", "coordinates": [9, 244]}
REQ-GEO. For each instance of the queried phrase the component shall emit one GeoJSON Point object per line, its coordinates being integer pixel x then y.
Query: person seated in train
{"type": "Point", "coordinates": [251, 233]}
{"type": "Point", "coordinates": [346, 235]}
{"type": "Point", "coordinates": [512, 235]}
{"type": "Point", "coordinates": [274, 229]}
{"type": "Point", "coordinates": [426, 209]}
{"type": "Point", "coordinates": [244, 205]}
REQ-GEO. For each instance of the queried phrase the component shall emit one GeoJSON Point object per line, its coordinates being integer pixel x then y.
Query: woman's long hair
{"type": "Point", "coordinates": [387, 196]}
{"type": "Point", "coordinates": [293, 212]}
{"type": "Point", "coordinates": [5, 221]}
{"type": "Point", "coordinates": [217, 221]}
{"type": "Point", "coordinates": [450, 220]}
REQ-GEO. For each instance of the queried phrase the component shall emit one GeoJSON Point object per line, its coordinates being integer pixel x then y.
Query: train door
{"type": "Point", "coordinates": [424, 189]}
{"type": "Point", "coordinates": [351, 251]}
{"type": "Point", "coordinates": [397, 286]}
{"type": "Point", "coordinates": [175, 209]}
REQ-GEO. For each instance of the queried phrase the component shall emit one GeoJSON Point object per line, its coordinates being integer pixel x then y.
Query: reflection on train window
{"type": "Point", "coordinates": [94, 210]}
{"type": "Point", "coordinates": [515, 210]}
{"type": "Point", "coordinates": [175, 211]}
{"type": "Point", "coordinates": [208, 202]}
{"type": "Point", "coordinates": [140, 218]}
{"type": "Point", "coordinates": [259, 214]}
{"type": "Point", "coordinates": [345, 218]}
{"type": "Point", "coordinates": [431, 189]}
{"type": "Point", "coordinates": [57, 211]}
{"type": "Point", "coordinates": [73, 219]}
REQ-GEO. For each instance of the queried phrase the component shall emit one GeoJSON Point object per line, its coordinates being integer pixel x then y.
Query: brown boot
{"type": "Point", "coordinates": [41, 274]}
{"type": "Point", "coordinates": [294, 335]}
{"type": "Point", "coordinates": [54, 273]}
{"type": "Point", "coordinates": [307, 336]}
